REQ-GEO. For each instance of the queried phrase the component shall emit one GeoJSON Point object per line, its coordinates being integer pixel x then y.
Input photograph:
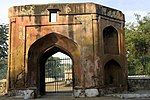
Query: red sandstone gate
{"type": "Point", "coordinates": [92, 35]}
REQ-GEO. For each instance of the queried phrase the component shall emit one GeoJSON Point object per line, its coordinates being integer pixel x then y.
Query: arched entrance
{"type": "Point", "coordinates": [55, 81]}
{"type": "Point", "coordinates": [113, 74]}
{"type": "Point", "coordinates": [41, 50]}
{"type": "Point", "coordinates": [58, 73]}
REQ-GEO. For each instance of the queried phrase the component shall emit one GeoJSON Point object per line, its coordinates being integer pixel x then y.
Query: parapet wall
{"type": "Point", "coordinates": [138, 83]}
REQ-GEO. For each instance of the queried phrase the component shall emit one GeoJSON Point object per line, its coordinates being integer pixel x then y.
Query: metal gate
{"type": "Point", "coordinates": [58, 74]}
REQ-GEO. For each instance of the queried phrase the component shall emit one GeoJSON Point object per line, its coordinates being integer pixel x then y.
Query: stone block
{"type": "Point", "coordinates": [28, 94]}
{"type": "Point", "coordinates": [79, 93]}
{"type": "Point", "coordinates": [91, 92]}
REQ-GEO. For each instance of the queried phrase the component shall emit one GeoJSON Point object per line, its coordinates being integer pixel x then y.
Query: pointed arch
{"type": "Point", "coordinates": [46, 46]}
{"type": "Point", "coordinates": [112, 73]}
{"type": "Point", "coordinates": [110, 40]}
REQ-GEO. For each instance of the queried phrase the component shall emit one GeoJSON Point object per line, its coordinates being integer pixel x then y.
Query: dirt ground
{"type": "Point", "coordinates": [66, 96]}
{"type": "Point", "coordinates": [71, 98]}
{"type": "Point", "coordinates": [61, 98]}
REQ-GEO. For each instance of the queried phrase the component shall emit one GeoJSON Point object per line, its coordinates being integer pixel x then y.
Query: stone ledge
{"type": "Point", "coordinates": [25, 94]}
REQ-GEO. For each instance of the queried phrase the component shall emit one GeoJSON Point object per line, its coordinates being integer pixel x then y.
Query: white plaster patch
{"type": "Point", "coordinates": [28, 94]}
{"type": "Point", "coordinates": [79, 93]}
{"type": "Point", "coordinates": [91, 92]}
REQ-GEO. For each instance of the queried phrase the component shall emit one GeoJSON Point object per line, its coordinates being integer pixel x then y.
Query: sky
{"type": "Point", "coordinates": [128, 7]}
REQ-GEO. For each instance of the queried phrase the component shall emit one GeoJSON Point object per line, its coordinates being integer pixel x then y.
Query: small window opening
{"type": "Point", "coordinates": [53, 15]}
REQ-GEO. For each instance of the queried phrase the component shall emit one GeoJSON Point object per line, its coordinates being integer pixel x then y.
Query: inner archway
{"type": "Point", "coordinates": [58, 73]}
{"type": "Point", "coordinates": [55, 81]}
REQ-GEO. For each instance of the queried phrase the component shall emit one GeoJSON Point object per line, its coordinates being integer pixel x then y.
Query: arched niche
{"type": "Point", "coordinates": [110, 40]}
{"type": "Point", "coordinates": [112, 73]}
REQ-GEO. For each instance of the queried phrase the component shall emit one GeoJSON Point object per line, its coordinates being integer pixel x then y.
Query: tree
{"type": "Point", "coordinates": [138, 45]}
{"type": "Point", "coordinates": [3, 50]}
{"type": "Point", "coordinates": [53, 67]}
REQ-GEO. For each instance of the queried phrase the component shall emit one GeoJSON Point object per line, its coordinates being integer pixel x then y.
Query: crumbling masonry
{"type": "Point", "coordinates": [91, 34]}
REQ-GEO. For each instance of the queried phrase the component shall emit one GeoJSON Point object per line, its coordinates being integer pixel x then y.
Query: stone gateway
{"type": "Point", "coordinates": [92, 35]}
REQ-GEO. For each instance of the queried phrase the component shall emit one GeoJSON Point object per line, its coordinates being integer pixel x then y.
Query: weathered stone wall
{"type": "Point", "coordinates": [77, 32]}
{"type": "Point", "coordinates": [138, 83]}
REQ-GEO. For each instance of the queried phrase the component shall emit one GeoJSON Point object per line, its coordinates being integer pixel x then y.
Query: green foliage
{"type": "Point", "coordinates": [3, 50]}
{"type": "Point", "coordinates": [138, 45]}
{"type": "Point", "coordinates": [53, 67]}
{"type": "Point", "coordinates": [3, 41]}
